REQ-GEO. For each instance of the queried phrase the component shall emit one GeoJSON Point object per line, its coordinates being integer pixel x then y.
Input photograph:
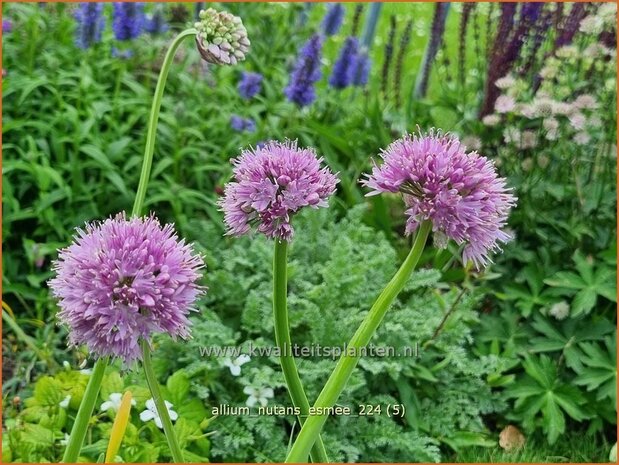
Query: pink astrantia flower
{"type": "Point", "coordinates": [124, 280]}
{"type": "Point", "coordinates": [270, 184]}
{"type": "Point", "coordinates": [459, 192]}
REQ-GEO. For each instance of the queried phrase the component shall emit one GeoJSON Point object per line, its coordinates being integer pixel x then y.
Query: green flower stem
{"type": "Point", "coordinates": [147, 164]}
{"type": "Point", "coordinates": [80, 427]}
{"type": "Point", "coordinates": [347, 363]}
{"type": "Point", "coordinates": [94, 384]}
{"type": "Point", "coordinates": [154, 119]}
{"type": "Point", "coordinates": [153, 385]}
{"type": "Point", "coordinates": [282, 337]}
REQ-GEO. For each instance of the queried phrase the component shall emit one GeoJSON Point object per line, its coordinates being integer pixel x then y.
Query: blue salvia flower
{"type": "Point", "coordinates": [360, 69]}
{"type": "Point", "coordinates": [241, 124]}
{"type": "Point", "coordinates": [341, 74]}
{"type": "Point", "coordinates": [90, 23]}
{"type": "Point", "coordinates": [156, 23]}
{"type": "Point", "coordinates": [7, 25]}
{"type": "Point", "coordinates": [306, 72]}
{"type": "Point", "coordinates": [250, 84]}
{"type": "Point", "coordinates": [333, 19]}
{"type": "Point", "coordinates": [128, 20]}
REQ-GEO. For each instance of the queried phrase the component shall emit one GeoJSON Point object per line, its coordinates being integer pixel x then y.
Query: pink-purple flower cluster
{"type": "Point", "coordinates": [122, 281]}
{"type": "Point", "coordinates": [459, 192]}
{"type": "Point", "coordinates": [270, 184]}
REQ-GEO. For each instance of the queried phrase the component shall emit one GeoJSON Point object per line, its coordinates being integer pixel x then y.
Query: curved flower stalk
{"type": "Point", "coordinates": [456, 194]}
{"type": "Point", "coordinates": [129, 287]}
{"type": "Point", "coordinates": [272, 183]}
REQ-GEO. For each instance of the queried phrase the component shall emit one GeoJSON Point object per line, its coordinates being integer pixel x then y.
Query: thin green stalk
{"type": "Point", "coordinates": [153, 385]}
{"type": "Point", "coordinates": [84, 413]}
{"type": "Point", "coordinates": [154, 119]}
{"type": "Point", "coordinates": [80, 427]}
{"type": "Point", "coordinates": [284, 342]}
{"type": "Point", "coordinates": [147, 164]}
{"type": "Point", "coordinates": [347, 363]}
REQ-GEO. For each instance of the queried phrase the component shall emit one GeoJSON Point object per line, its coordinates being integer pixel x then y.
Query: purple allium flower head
{"type": "Point", "coordinates": [342, 69]}
{"type": "Point", "coordinates": [250, 84]}
{"type": "Point", "coordinates": [90, 24]}
{"type": "Point", "coordinates": [128, 20]}
{"type": "Point", "coordinates": [333, 19]}
{"type": "Point", "coordinates": [241, 124]}
{"type": "Point", "coordinates": [124, 280]}
{"type": "Point", "coordinates": [360, 70]}
{"type": "Point", "coordinates": [7, 25]}
{"type": "Point", "coordinates": [459, 192]}
{"type": "Point", "coordinates": [272, 183]}
{"type": "Point", "coordinates": [306, 72]}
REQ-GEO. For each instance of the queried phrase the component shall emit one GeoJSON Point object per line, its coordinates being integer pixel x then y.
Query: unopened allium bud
{"type": "Point", "coordinates": [222, 38]}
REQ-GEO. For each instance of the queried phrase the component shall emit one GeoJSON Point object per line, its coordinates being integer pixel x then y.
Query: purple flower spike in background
{"type": "Point", "coordinates": [360, 70]}
{"type": "Point", "coordinates": [459, 192]}
{"type": "Point", "coordinates": [241, 124]}
{"type": "Point", "coordinates": [306, 73]}
{"type": "Point", "coordinates": [250, 84]}
{"type": "Point", "coordinates": [272, 183]}
{"type": "Point", "coordinates": [333, 19]}
{"type": "Point", "coordinates": [90, 24]}
{"type": "Point", "coordinates": [7, 25]}
{"type": "Point", "coordinates": [122, 281]}
{"type": "Point", "coordinates": [156, 24]}
{"type": "Point", "coordinates": [128, 20]}
{"type": "Point", "coordinates": [341, 75]}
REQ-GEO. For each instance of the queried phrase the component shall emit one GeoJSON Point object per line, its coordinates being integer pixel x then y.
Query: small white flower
{"type": "Point", "coordinates": [504, 104]}
{"type": "Point", "coordinates": [258, 395]}
{"type": "Point", "coordinates": [549, 71]}
{"type": "Point", "coordinates": [511, 135]}
{"type": "Point", "coordinates": [527, 110]}
{"type": "Point", "coordinates": [594, 121]}
{"type": "Point", "coordinates": [491, 120]}
{"type": "Point", "coordinates": [472, 142]}
{"type": "Point", "coordinates": [505, 82]}
{"type": "Point", "coordinates": [543, 161]}
{"type": "Point", "coordinates": [236, 364]}
{"type": "Point", "coordinates": [64, 403]}
{"type": "Point", "coordinates": [66, 365]}
{"type": "Point", "coordinates": [585, 101]}
{"type": "Point", "coordinates": [578, 121]}
{"type": "Point", "coordinates": [151, 413]}
{"type": "Point", "coordinates": [592, 24]}
{"type": "Point", "coordinates": [567, 51]}
{"type": "Point", "coordinates": [65, 441]}
{"type": "Point", "coordinates": [562, 108]}
{"type": "Point", "coordinates": [550, 124]}
{"type": "Point", "coordinates": [582, 138]}
{"type": "Point", "coordinates": [560, 310]}
{"type": "Point", "coordinates": [529, 140]}
{"type": "Point", "coordinates": [114, 402]}
{"type": "Point", "coordinates": [527, 164]}
{"type": "Point", "coordinates": [544, 106]}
